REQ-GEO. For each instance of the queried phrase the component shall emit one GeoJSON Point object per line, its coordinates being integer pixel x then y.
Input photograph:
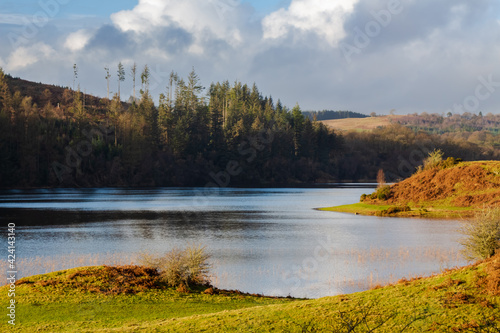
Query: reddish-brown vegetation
{"type": "Point", "coordinates": [467, 185]}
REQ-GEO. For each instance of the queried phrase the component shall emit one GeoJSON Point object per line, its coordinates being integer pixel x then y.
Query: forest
{"type": "Point", "coordinates": [224, 135]}
{"type": "Point", "coordinates": [330, 114]}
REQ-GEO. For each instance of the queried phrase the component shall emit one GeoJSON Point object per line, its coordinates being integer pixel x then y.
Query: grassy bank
{"type": "Point", "coordinates": [87, 300]}
{"type": "Point", "coordinates": [424, 210]}
{"type": "Point", "coordinates": [450, 189]}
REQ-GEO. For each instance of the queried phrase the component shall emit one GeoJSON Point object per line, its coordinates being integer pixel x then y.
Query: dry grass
{"type": "Point", "coordinates": [41, 265]}
{"type": "Point", "coordinates": [469, 184]}
{"type": "Point", "coordinates": [107, 280]}
{"type": "Point", "coordinates": [360, 124]}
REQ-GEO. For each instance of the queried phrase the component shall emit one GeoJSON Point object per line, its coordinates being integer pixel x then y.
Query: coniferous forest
{"type": "Point", "coordinates": [223, 135]}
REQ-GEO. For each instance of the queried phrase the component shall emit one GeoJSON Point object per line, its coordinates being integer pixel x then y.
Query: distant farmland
{"type": "Point", "coordinates": [360, 124]}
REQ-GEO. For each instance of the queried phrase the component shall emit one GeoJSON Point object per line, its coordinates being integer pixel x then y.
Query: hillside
{"type": "Point", "coordinates": [330, 115]}
{"type": "Point", "coordinates": [124, 299]}
{"type": "Point", "coordinates": [470, 184]}
{"type": "Point", "coordinates": [442, 191]}
{"type": "Point", "coordinates": [43, 94]}
{"type": "Point", "coordinates": [360, 124]}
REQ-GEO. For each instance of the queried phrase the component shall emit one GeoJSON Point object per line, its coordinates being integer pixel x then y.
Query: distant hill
{"type": "Point", "coordinates": [452, 123]}
{"type": "Point", "coordinates": [360, 124]}
{"type": "Point", "coordinates": [328, 115]}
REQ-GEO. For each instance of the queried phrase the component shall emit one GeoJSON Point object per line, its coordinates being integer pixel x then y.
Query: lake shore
{"type": "Point", "coordinates": [394, 211]}
{"type": "Point", "coordinates": [87, 300]}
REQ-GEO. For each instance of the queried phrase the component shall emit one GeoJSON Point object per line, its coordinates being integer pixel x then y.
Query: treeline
{"type": "Point", "coordinates": [399, 150]}
{"type": "Point", "coordinates": [226, 135]}
{"type": "Point", "coordinates": [330, 115]}
{"type": "Point", "coordinates": [452, 123]}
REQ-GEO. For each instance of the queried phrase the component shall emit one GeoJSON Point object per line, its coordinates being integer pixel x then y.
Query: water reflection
{"type": "Point", "coordinates": [262, 240]}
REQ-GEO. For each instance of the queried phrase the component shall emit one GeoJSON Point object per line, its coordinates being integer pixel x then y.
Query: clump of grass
{"type": "Point", "coordinates": [482, 234]}
{"type": "Point", "coordinates": [435, 160]}
{"type": "Point", "coordinates": [394, 210]}
{"type": "Point", "coordinates": [177, 267]}
{"type": "Point", "coordinates": [107, 280]}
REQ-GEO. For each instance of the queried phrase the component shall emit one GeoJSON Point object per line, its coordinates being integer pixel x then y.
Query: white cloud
{"type": "Point", "coordinates": [428, 58]}
{"type": "Point", "coordinates": [77, 40]}
{"type": "Point", "coordinates": [26, 56]}
{"type": "Point", "coordinates": [324, 18]}
{"type": "Point", "coordinates": [217, 17]}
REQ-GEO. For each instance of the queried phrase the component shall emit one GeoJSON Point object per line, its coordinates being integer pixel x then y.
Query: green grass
{"type": "Point", "coordinates": [451, 300]}
{"type": "Point", "coordinates": [64, 308]}
{"type": "Point", "coordinates": [429, 210]}
{"type": "Point", "coordinates": [358, 208]}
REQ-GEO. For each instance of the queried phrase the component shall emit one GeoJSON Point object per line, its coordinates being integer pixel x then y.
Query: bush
{"type": "Point", "coordinates": [181, 267]}
{"type": "Point", "coordinates": [382, 193]}
{"type": "Point", "coordinates": [394, 210]}
{"type": "Point", "coordinates": [434, 159]}
{"type": "Point", "coordinates": [482, 234]}
{"type": "Point", "coordinates": [449, 162]}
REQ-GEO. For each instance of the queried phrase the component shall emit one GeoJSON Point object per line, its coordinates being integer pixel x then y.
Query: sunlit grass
{"type": "Point", "coordinates": [47, 264]}
{"type": "Point", "coordinates": [442, 209]}
{"type": "Point", "coordinates": [454, 301]}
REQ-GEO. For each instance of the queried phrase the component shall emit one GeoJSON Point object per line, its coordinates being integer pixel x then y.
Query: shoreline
{"type": "Point", "coordinates": [402, 212]}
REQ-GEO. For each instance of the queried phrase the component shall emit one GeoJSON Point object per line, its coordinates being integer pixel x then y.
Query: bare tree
{"type": "Point", "coordinates": [133, 71]}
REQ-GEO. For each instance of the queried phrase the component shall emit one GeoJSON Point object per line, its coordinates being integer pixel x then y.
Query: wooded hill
{"type": "Point", "coordinates": [226, 135]}
{"type": "Point", "coordinates": [328, 115]}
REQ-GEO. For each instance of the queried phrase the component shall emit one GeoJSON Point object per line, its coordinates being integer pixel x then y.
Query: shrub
{"type": "Point", "coordinates": [181, 267]}
{"type": "Point", "coordinates": [449, 162]}
{"type": "Point", "coordinates": [434, 159]}
{"type": "Point", "coordinates": [383, 192]}
{"type": "Point", "coordinates": [482, 234]}
{"type": "Point", "coordinates": [394, 210]}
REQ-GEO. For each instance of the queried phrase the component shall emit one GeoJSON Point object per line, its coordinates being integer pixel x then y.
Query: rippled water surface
{"type": "Point", "coordinates": [269, 241]}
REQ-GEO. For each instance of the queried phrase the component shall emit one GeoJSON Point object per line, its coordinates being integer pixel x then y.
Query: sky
{"type": "Point", "coordinates": [400, 56]}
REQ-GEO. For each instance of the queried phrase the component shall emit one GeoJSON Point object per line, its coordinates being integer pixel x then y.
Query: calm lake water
{"type": "Point", "coordinates": [269, 241]}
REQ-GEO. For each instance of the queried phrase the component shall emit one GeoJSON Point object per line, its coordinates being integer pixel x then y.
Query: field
{"type": "Point", "coordinates": [360, 124]}
{"type": "Point", "coordinates": [114, 299]}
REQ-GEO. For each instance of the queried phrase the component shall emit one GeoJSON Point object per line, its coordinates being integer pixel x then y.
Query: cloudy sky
{"type": "Point", "coordinates": [361, 55]}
